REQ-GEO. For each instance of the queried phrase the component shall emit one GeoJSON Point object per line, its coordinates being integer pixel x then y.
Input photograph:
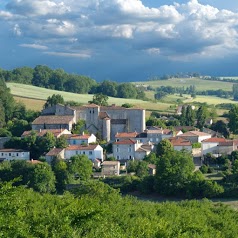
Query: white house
{"type": "Point", "coordinates": [14, 154]}
{"type": "Point", "coordinates": [218, 146]}
{"type": "Point", "coordinates": [53, 153]}
{"type": "Point", "coordinates": [195, 136]}
{"type": "Point", "coordinates": [91, 151]}
{"type": "Point", "coordinates": [181, 144]}
{"type": "Point", "coordinates": [74, 139]}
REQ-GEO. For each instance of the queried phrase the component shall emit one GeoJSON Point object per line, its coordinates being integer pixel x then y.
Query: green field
{"type": "Point", "coordinates": [200, 84]}
{"type": "Point", "coordinates": [34, 98]}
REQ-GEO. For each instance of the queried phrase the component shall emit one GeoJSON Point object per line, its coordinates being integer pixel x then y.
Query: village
{"type": "Point", "coordinates": [124, 129]}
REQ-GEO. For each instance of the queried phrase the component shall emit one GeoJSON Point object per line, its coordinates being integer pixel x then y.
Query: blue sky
{"type": "Point", "coordinates": [121, 40]}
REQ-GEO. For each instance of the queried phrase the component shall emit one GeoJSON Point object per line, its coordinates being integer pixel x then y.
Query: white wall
{"type": "Point", "coordinates": [15, 155]}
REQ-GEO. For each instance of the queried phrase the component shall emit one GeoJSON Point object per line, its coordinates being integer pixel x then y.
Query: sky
{"type": "Point", "coordinates": [121, 40]}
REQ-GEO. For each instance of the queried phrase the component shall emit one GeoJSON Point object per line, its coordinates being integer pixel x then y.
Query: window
{"type": "Point", "coordinates": [129, 149]}
{"type": "Point", "coordinates": [2, 154]}
{"type": "Point", "coordinates": [117, 149]}
{"type": "Point", "coordinates": [77, 152]}
{"type": "Point", "coordinates": [118, 157]}
{"type": "Point", "coordinates": [90, 152]}
{"type": "Point", "coordinates": [130, 157]}
{"type": "Point", "coordinates": [83, 152]}
{"type": "Point", "coordinates": [10, 154]}
{"type": "Point", "coordinates": [17, 154]}
{"type": "Point", "coordinates": [74, 142]}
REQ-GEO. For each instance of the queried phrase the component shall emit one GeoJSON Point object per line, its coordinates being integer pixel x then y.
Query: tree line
{"type": "Point", "coordinates": [58, 79]}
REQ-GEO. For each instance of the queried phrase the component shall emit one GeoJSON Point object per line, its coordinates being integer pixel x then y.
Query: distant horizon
{"type": "Point", "coordinates": [123, 41]}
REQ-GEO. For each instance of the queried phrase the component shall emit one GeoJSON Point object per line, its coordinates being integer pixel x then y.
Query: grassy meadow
{"type": "Point", "coordinates": [186, 82]}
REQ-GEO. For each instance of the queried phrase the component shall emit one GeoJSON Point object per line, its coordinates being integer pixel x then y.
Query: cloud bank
{"type": "Point", "coordinates": [120, 29]}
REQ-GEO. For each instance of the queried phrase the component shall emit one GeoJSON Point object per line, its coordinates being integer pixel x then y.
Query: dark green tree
{"type": "Point", "coordinates": [190, 116]}
{"type": "Point", "coordinates": [201, 116]}
{"type": "Point", "coordinates": [100, 99]}
{"type": "Point", "coordinates": [61, 142]}
{"type": "Point", "coordinates": [164, 147]}
{"type": "Point", "coordinates": [235, 91]}
{"type": "Point", "coordinates": [41, 76]}
{"type": "Point", "coordinates": [53, 100]}
{"type": "Point", "coordinates": [233, 119]}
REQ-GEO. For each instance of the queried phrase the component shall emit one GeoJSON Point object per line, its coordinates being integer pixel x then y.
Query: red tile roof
{"type": "Point", "coordinates": [176, 141]}
{"type": "Point", "coordinates": [125, 142]}
{"type": "Point", "coordinates": [126, 134]}
{"type": "Point", "coordinates": [194, 133]}
{"type": "Point", "coordinates": [55, 132]}
{"type": "Point", "coordinates": [49, 120]}
{"type": "Point", "coordinates": [78, 137]}
{"type": "Point", "coordinates": [214, 140]}
{"type": "Point", "coordinates": [81, 147]}
{"type": "Point", "coordinates": [54, 152]}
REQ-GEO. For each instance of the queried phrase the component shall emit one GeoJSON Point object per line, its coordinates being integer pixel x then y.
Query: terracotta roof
{"type": "Point", "coordinates": [176, 141]}
{"type": "Point", "coordinates": [194, 133]}
{"type": "Point", "coordinates": [152, 166]}
{"type": "Point", "coordinates": [226, 143]}
{"type": "Point", "coordinates": [142, 150]}
{"type": "Point", "coordinates": [91, 105]}
{"type": "Point", "coordinates": [55, 132]}
{"type": "Point", "coordinates": [52, 120]}
{"type": "Point", "coordinates": [54, 152]}
{"type": "Point", "coordinates": [78, 137]}
{"type": "Point", "coordinates": [81, 147]}
{"type": "Point", "coordinates": [12, 150]}
{"type": "Point", "coordinates": [214, 140]}
{"type": "Point", "coordinates": [103, 115]}
{"type": "Point", "coordinates": [126, 134]}
{"type": "Point", "coordinates": [32, 161]}
{"type": "Point", "coordinates": [125, 142]}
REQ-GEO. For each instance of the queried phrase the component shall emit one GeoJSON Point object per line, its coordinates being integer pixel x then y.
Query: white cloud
{"type": "Point", "coordinates": [69, 54]}
{"type": "Point", "coordinates": [34, 46]}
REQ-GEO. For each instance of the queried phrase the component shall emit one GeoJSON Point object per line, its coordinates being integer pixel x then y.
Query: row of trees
{"type": "Point", "coordinates": [58, 79]}
{"type": "Point", "coordinates": [45, 178]}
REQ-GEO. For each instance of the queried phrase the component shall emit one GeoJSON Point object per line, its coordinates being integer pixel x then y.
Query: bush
{"type": "Point", "coordinates": [196, 145]}
{"type": "Point", "coordinates": [210, 170]}
{"type": "Point", "coordinates": [204, 169]}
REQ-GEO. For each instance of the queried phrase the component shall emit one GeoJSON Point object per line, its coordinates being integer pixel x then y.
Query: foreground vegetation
{"type": "Point", "coordinates": [96, 210]}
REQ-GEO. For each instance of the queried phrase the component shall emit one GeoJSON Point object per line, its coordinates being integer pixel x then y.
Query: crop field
{"type": "Point", "coordinates": [200, 84]}
{"type": "Point", "coordinates": [34, 98]}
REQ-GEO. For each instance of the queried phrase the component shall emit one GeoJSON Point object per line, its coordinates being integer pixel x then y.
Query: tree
{"type": "Point", "coordinates": [164, 147]}
{"type": "Point", "coordinates": [126, 90]}
{"type": "Point", "coordinates": [233, 119]}
{"type": "Point", "coordinates": [142, 169]}
{"type": "Point", "coordinates": [61, 142]}
{"type": "Point", "coordinates": [173, 172]}
{"type": "Point", "coordinates": [183, 116]}
{"type": "Point", "coordinates": [108, 88]}
{"type": "Point", "coordinates": [221, 127]}
{"type": "Point", "coordinates": [41, 76]}
{"type": "Point", "coordinates": [100, 99]}
{"type": "Point", "coordinates": [190, 116]}
{"type": "Point", "coordinates": [151, 158]}
{"type": "Point", "coordinates": [17, 127]}
{"type": "Point", "coordinates": [53, 100]}
{"type": "Point", "coordinates": [80, 167]}
{"type": "Point", "coordinates": [235, 91]}
{"type": "Point", "coordinates": [43, 178]}
{"type": "Point", "coordinates": [79, 127]}
{"type": "Point", "coordinates": [201, 116]}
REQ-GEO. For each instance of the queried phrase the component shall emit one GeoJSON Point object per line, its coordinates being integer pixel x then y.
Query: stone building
{"type": "Point", "coordinates": [105, 120]}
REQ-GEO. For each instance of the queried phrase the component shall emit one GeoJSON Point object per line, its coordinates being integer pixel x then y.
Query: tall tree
{"type": "Point", "coordinates": [233, 119]}
{"type": "Point", "coordinates": [100, 99]}
{"type": "Point", "coordinates": [190, 116]}
{"type": "Point", "coordinates": [235, 91]}
{"type": "Point", "coordinates": [201, 116]}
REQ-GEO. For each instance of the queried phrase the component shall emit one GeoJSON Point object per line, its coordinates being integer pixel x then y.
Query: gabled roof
{"type": "Point", "coordinates": [81, 147]}
{"type": "Point", "coordinates": [176, 141]}
{"type": "Point", "coordinates": [126, 134]}
{"type": "Point", "coordinates": [52, 120]}
{"type": "Point", "coordinates": [103, 115]}
{"type": "Point", "coordinates": [125, 142]}
{"type": "Point", "coordinates": [55, 132]}
{"type": "Point", "coordinates": [214, 140]}
{"type": "Point", "coordinates": [78, 137]}
{"type": "Point", "coordinates": [194, 133]}
{"type": "Point", "coordinates": [13, 150]}
{"type": "Point", "coordinates": [54, 152]}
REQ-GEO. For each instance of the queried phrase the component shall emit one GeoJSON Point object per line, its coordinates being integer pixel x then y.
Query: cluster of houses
{"type": "Point", "coordinates": [123, 127]}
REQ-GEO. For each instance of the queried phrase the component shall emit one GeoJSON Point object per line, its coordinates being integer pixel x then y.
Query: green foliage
{"type": "Point", "coordinates": [173, 171]}
{"type": "Point", "coordinates": [151, 158]}
{"type": "Point", "coordinates": [202, 114]}
{"type": "Point", "coordinates": [235, 91]}
{"type": "Point", "coordinates": [152, 121]}
{"type": "Point", "coordinates": [5, 133]}
{"type": "Point", "coordinates": [61, 142]}
{"type": "Point", "coordinates": [80, 168]}
{"type": "Point", "coordinates": [17, 127]}
{"type": "Point", "coordinates": [164, 147]}
{"type": "Point", "coordinates": [233, 119]}
{"type": "Point", "coordinates": [100, 99]}
{"type": "Point", "coordinates": [127, 105]}
{"type": "Point", "coordinates": [204, 169]}
{"type": "Point", "coordinates": [196, 145]}
{"type": "Point", "coordinates": [79, 127]}
{"type": "Point", "coordinates": [53, 100]}
{"type": "Point", "coordinates": [221, 127]}
{"type": "Point", "coordinates": [30, 214]}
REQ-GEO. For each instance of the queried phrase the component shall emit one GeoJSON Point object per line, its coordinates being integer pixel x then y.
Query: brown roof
{"type": "Point", "coordinates": [215, 140]}
{"type": "Point", "coordinates": [111, 162]}
{"type": "Point", "coordinates": [78, 137]}
{"type": "Point", "coordinates": [125, 142]}
{"type": "Point", "coordinates": [176, 141]}
{"type": "Point", "coordinates": [103, 115]}
{"type": "Point", "coordinates": [12, 150]}
{"type": "Point", "coordinates": [152, 166]}
{"type": "Point", "coordinates": [32, 161]}
{"type": "Point", "coordinates": [54, 151]}
{"type": "Point", "coordinates": [55, 132]}
{"type": "Point", "coordinates": [81, 147]}
{"type": "Point", "coordinates": [91, 105]}
{"type": "Point", "coordinates": [126, 134]}
{"type": "Point", "coordinates": [226, 143]}
{"type": "Point", "coordinates": [52, 120]}
{"type": "Point", "coordinates": [194, 133]}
